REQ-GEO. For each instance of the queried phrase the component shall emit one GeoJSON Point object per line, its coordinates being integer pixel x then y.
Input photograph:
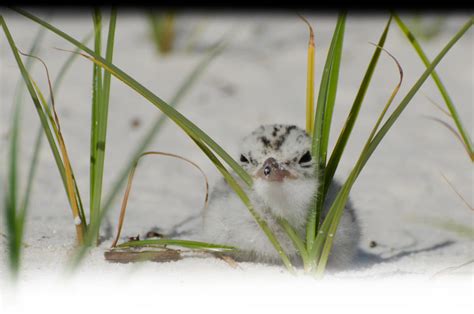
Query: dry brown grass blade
{"type": "Point", "coordinates": [457, 192]}
{"type": "Point", "coordinates": [79, 219]}
{"type": "Point", "coordinates": [456, 134]}
{"type": "Point", "coordinates": [129, 186]}
{"type": "Point", "coordinates": [228, 260]}
{"type": "Point", "coordinates": [437, 105]}
{"type": "Point", "coordinates": [310, 78]}
{"type": "Point", "coordinates": [394, 92]}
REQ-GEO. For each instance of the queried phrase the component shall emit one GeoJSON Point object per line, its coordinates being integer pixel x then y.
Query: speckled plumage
{"type": "Point", "coordinates": [227, 220]}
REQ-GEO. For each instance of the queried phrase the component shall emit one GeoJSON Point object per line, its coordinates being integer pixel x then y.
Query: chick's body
{"type": "Point", "coordinates": [279, 160]}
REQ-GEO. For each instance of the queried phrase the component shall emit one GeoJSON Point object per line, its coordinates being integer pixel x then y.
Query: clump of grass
{"type": "Point", "coordinates": [87, 232]}
{"type": "Point", "coordinates": [315, 249]}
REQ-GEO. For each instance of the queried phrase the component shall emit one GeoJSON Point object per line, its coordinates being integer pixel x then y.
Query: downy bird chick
{"type": "Point", "coordinates": [278, 157]}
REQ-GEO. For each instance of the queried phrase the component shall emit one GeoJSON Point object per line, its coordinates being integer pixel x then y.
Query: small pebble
{"type": "Point", "coordinates": [135, 122]}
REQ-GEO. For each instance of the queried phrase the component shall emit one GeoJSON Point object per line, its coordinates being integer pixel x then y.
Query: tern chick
{"type": "Point", "coordinates": [278, 157]}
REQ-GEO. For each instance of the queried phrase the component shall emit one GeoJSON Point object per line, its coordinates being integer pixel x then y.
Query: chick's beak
{"type": "Point", "coordinates": [271, 170]}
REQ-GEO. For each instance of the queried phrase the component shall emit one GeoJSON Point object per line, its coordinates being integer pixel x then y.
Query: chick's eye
{"type": "Point", "coordinates": [305, 158]}
{"type": "Point", "coordinates": [244, 159]}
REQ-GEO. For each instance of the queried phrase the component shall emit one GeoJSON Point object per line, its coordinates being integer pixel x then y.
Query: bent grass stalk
{"type": "Point", "coordinates": [322, 121]}
{"type": "Point", "coordinates": [130, 180]}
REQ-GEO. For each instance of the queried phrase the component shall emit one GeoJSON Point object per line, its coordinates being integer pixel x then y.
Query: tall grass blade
{"type": "Point", "coordinates": [95, 114]}
{"type": "Point", "coordinates": [100, 111]}
{"type": "Point", "coordinates": [310, 80]}
{"type": "Point", "coordinates": [354, 113]}
{"type": "Point", "coordinates": [322, 122]}
{"type": "Point", "coordinates": [442, 89]}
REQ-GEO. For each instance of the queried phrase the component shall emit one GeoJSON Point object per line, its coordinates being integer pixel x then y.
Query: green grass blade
{"type": "Point", "coordinates": [14, 234]}
{"type": "Point", "coordinates": [100, 128]}
{"type": "Point", "coordinates": [15, 212]}
{"type": "Point", "coordinates": [442, 89]}
{"type": "Point", "coordinates": [353, 114]}
{"type": "Point", "coordinates": [297, 242]}
{"type": "Point", "coordinates": [95, 112]}
{"type": "Point", "coordinates": [330, 225]}
{"type": "Point", "coordinates": [190, 128]}
{"type": "Point", "coordinates": [322, 121]}
{"type": "Point", "coordinates": [196, 245]}
{"type": "Point", "coordinates": [160, 120]}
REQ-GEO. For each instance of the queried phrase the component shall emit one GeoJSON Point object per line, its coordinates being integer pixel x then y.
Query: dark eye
{"type": "Point", "coordinates": [305, 158]}
{"type": "Point", "coordinates": [244, 159]}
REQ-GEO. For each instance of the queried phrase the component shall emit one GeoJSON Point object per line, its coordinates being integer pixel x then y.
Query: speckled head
{"type": "Point", "coordinates": [277, 152]}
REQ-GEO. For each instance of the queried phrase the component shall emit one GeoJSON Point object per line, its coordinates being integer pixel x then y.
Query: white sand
{"type": "Point", "coordinates": [260, 78]}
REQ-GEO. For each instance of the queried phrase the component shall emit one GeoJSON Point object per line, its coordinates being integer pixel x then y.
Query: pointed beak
{"type": "Point", "coordinates": [273, 171]}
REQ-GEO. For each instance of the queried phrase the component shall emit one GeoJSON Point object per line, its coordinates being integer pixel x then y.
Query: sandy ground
{"type": "Point", "coordinates": [401, 198]}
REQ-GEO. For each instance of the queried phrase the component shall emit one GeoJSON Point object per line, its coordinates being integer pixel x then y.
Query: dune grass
{"type": "Point", "coordinates": [162, 27]}
{"type": "Point", "coordinates": [315, 249]}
